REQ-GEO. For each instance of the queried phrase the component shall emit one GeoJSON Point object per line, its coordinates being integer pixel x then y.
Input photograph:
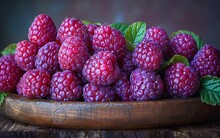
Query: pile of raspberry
{"type": "Point", "coordinates": [92, 63]}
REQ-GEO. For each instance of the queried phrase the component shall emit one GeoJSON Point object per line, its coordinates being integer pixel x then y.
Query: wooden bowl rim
{"type": "Point", "coordinates": [19, 97]}
{"type": "Point", "coordinates": [113, 115]}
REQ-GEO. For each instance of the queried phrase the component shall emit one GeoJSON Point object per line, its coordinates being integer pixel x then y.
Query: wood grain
{"type": "Point", "coordinates": [111, 115]}
{"type": "Point", "coordinates": [13, 129]}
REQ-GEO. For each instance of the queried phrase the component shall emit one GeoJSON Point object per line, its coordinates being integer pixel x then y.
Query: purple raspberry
{"type": "Point", "coordinates": [146, 85]}
{"type": "Point", "coordinates": [94, 93]}
{"type": "Point", "coordinates": [181, 81]}
{"type": "Point", "coordinates": [207, 61]}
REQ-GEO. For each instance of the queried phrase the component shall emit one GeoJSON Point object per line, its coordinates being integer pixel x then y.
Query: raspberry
{"type": "Point", "coordinates": [122, 88]}
{"type": "Point", "coordinates": [107, 38]}
{"type": "Point", "coordinates": [34, 84]}
{"type": "Point", "coordinates": [181, 81]}
{"type": "Point", "coordinates": [185, 45]}
{"type": "Point", "coordinates": [207, 62]}
{"type": "Point", "coordinates": [91, 29]}
{"type": "Point", "coordinates": [25, 55]}
{"type": "Point", "coordinates": [146, 85]}
{"type": "Point", "coordinates": [10, 74]}
{"type": "Point", "coordinates": [148, 56]}
{"type": "Point", "coordinates": [127, 64]}
{"type": "Point", "coordinates": [42, 30]}
{"type": "Point", "coordinates": [159, 36]}
{"type": "Point", "coordinates": [73, 27]}
{"type": "Point", "coordinates": [101, 69]}
{"type": "Point", "coordinates": [73, 54]}
{"type": "Point", "coordinates": [65, 86]}
{"type": "Point", "coordinates": [94, 93]}
{"type": "Point", "coordinates": [47, 58]}
{"type": "Point", "coordinates": [8, 57]}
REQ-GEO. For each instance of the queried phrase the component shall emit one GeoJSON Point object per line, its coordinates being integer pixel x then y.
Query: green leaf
{"type": "Point", "coordinates": [130, 46]}
{"type": "Point", "coordinates": [200, 43]}
{"type": "Point", "coordinates": [10, 49]}
{"type": "Point", "coordinates": [175, 59]}
{"type": "Point", "coordinates": [88, 22]}
{"type": "Point", "coordinates": [2, 97]}
{"type": "Point", "coordinates": [122, 27]}
{"type": "Point", "coordinates": [210, 90]}
{"type": "Point", "coordinates": [135, 32]}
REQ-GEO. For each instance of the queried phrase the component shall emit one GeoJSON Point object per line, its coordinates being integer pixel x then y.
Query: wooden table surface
{"type": "Point", "coordinates": [11, 129]}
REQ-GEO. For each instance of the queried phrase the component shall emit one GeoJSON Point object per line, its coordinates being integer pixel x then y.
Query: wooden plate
{"type": "Point", "coordinates": [111, 115]}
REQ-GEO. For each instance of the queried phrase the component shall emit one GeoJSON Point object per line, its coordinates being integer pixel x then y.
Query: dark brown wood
{"type": "Point", "coordinates": [111, 115]}
{"type": "Point", "coordinates": [13, 129]}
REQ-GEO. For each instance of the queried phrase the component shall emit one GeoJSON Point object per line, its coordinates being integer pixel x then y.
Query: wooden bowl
{"type": "Point", "coordinates": [110, 115]}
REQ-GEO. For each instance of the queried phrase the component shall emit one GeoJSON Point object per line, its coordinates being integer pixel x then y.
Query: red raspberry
{"type": "Point", "coordinates": [122, 88]}
{"type": "Point", "coordinates": [94, 93]}
{"type": "Point", "coordinates": [65, 86]}
{"type": "Point", "coordinates": [42, 30]}
{"type": "Point", "coordinates": [47, 58]}
{"type": "Point", "coordinates": [73, 27]}
{"type": "Point", "coordinates": [148, 56]}
{"type": "Point", "coordinates": [159, 36]}
{"type": "Point", "coordinates": [181, 81]}
{"type": "Point", "coordinates": [10, 74]}
{"type": "Point", "coordinates": [101, 69]}
{"type": "Point", "coordinates": [91, 29]}
{"type": "Point", "coordinates": [107, 38]}
{"type": "Point", "coordinates": [207, 62]}
{"type": "Point", "coordinates": [25, 54]}
{"type": "Point", "coordinates": [185, 45]}
{"type": "Point", "coordinates": [127, 64]}
{"type": "Point", "coordinates": [34, 84]}
{"type": "Point", "coordinates": [146, 85]}
{"type": "Point", "coordinates": [73, 54]}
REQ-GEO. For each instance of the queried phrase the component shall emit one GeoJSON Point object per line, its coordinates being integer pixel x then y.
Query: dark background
{"type": "Point", "coordinates": [199, 16]}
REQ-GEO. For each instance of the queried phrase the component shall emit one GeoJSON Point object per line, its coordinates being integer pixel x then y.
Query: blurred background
{"type": "Point", "coordinates": [199, 16]}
